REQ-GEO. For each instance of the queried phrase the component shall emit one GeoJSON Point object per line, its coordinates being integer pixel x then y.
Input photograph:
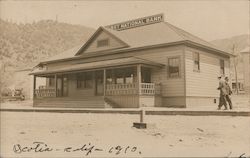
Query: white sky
{"type": "Point", "coordinates": [208, 19]}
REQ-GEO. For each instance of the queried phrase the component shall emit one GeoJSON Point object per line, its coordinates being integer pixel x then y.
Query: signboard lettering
{"type": "Point", "coordinates": [137, 22]}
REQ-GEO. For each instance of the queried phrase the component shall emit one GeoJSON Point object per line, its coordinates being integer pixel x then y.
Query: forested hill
{"type": "Point", "coordinates": [26, 43]}
{"type": "Point", "coordinates": [22, 45]}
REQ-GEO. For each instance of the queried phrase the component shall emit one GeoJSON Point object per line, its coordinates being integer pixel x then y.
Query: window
{"type": "Point", "coordinates": [174, 67]}
{"type": "Point", "coordinates": [130, 75]}
{"type": "Point", "coordinates": [109, 77]}
{"type": "Point", "coordinates": [84, 80]}
{"type": "Point", "coordinates": [121, 75]}
{"type": "Point", "coordinates": [51, 82]}
{"type": "Point", "coordinates": [146, 75]}
{"type": "Point", "coordinates": [196, 59]}
{"type": "Point", "coordinates": [103, 42]}
{"type": "Point", "coordinates": [222, 67]}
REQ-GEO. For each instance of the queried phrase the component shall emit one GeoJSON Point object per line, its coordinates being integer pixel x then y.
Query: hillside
{"type": "Point", "coordinates": [22, 45]}
{"type": "Point", "coordinates": [240, 42]}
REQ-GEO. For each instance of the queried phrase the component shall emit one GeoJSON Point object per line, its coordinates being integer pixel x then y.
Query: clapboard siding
{"type": "Point", "coordinates": [203, 83]}
{"type": "Point", "coordinates": [113, 43]}
{"type": "Point", "coordinates": [169, 86]}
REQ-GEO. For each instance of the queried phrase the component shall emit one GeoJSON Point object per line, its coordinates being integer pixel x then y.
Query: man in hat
{"type": "Point", "coordinates": [228, 93]}
{"type": "Point", "coordinates": [222, 88]}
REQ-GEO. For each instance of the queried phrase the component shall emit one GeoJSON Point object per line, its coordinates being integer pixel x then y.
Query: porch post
{"type": "Point", "coordinates": [139, 78]}
{"type": "Point", "coordinates": [34, 87]}
{"type": "Point", "coordinates": [104, 82]}
{"type": "Point", "coordinates": [139, 83]}
{"type": "Point", "coordinates": [56, 84]}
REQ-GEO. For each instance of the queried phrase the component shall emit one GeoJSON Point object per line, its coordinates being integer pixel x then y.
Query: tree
{"type": "Point", "coordinates": [236, 61]}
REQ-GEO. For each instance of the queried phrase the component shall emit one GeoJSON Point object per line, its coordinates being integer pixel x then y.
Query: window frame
{"type": "Point", "coordinates": [179, 65]}
{"type": "Point", "coordinates": [198, 62]}
{"type": "Point", "coordinates": [222, 71]}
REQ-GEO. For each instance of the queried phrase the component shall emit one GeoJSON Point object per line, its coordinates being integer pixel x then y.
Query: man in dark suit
{"type": "Point", "coordinates": [223, 92]}
{"type": "Point", "coordinates": [228, 93]}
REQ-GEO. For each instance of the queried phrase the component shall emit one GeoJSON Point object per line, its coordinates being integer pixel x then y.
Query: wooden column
{"type": "Point", "coordinates": [139, 78]}
{"type": "Point", "coordinates": [56, 84]}
{"type": "Point", "coordinates": [34, 87]}
{"type": "Point", "coordinates": [104, 82]}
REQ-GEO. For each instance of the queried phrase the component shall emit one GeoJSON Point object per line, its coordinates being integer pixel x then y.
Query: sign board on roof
{"type": "Point", "coordinates": [137, 22]}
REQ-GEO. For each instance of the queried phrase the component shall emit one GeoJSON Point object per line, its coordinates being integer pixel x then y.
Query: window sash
{"type": "Point", "coordinates": [196, 59]}
{"type": "Point", "coordinates": [174, 67]}
{"type": "Point", "coordinates": [222, 66]}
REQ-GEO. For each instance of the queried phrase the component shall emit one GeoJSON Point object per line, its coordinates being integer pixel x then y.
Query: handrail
{"type": "Point", "coordinates": [132, 88]}
{"type": "Point", "coordinates": [45, 93]}
{"type": "Point", "coordinates": [121, 89]}
{"type": "Point", "coordinates": [150, 89]}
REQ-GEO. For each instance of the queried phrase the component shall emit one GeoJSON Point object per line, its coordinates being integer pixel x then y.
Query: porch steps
{"type": "Point", "coordinates": [110, 104]}
{"type": "Point", "coordinates": [88, 102]}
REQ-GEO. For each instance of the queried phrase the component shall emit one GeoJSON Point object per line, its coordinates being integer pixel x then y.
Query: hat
{"type": "Point", "coordinates": [220, 76]}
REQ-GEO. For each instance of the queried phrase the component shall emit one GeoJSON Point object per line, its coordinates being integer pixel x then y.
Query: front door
{"type": "Point", "coordinates": [99, 83]}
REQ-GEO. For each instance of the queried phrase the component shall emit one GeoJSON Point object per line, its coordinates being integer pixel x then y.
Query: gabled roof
{"type": "Point", "coordinates": [147, 36]}
{"type": "Point", "coordinates": [159, 33]}
{"type": "Point", "coordinates": [100, 29]}
{"type": "Point", "coordinates": [70, 53]}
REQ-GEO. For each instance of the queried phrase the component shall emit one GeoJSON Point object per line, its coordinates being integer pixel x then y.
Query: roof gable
{"type": "Point", "coordinates": [102, 34]}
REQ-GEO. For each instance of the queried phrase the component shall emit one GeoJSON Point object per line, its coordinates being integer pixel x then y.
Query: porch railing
{"type": "Point", "coordinates": [132, 88]}
{"type": "Point", "coordinates": [45, 93]}
{"type": "Point", "coordinates": [121, 89]}
{"type": "Point", "coordinates": [150, 89]}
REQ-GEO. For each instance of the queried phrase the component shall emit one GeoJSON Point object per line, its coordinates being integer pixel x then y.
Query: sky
{"type": "Point", "coordinates": [208, 19]}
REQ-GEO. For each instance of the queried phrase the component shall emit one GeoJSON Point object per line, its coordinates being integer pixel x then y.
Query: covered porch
{"type": "Point", "coordinates": [118, 85]}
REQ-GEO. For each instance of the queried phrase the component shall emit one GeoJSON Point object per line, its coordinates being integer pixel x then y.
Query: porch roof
{"type": "Point", "coordinates": [98, 65]}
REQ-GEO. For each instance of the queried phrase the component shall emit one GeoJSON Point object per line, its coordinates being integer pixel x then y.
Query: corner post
{"type": "Point", "coordinates": [139, 78]}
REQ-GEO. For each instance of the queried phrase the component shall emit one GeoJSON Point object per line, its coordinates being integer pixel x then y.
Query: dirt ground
{"type": "Point", "coordinates": [112, 135]}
